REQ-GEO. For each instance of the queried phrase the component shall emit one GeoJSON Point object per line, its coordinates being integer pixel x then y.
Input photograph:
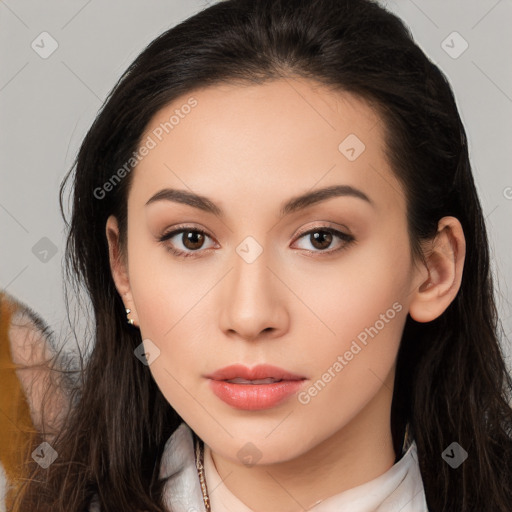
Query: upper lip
{"type": "Point", "coordinates": [261, 371]}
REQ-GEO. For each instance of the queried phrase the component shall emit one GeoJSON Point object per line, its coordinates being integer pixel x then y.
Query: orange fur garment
{"type": "Point", "coordinates": [23, 340]}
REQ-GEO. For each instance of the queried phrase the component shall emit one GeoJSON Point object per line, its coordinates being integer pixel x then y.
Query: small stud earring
{"type": "Point", "coordinates": [129, 320]}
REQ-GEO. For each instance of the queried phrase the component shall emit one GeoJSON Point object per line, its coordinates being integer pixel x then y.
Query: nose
{"type": "Point", "coordinates": [253, 301]}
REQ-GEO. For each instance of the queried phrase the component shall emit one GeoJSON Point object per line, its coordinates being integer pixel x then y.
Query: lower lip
{"type": "Point", "coordinates": [254, 397]}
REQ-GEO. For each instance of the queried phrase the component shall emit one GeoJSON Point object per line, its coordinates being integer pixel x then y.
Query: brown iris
{"type": "Point", "coordinates": [193, 239]}
{"type": "Point", "coordinates": [323, 238]}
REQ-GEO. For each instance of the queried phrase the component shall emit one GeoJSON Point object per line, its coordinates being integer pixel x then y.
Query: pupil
{"type": "Point", "coordinates": [193, 239]}
{"type": "Point", "coordinates": [321, 237]}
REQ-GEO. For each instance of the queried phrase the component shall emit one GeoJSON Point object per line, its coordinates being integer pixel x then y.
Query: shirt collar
{"type": "Point", "coordinates": [399, 488]}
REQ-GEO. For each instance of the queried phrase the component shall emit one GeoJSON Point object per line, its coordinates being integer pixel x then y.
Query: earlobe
{"type": "Point", "coordinates": [445, 262]}
{"type": "Point", "coordinates": [119, 269]}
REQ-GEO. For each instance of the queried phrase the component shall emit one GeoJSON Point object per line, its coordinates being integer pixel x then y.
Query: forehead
{"type": "Point", "coordinates": [272, 139]}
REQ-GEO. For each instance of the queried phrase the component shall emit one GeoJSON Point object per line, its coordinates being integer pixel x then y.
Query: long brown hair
{"type": "Point", "coordinates": [451, 382]}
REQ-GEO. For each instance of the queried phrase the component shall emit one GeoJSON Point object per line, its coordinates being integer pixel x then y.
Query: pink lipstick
{"type": "Point", "coordinates": [251, 389]}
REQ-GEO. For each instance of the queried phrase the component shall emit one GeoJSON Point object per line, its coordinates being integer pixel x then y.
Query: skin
{"type": "Point", "coordinates": [250, 148]}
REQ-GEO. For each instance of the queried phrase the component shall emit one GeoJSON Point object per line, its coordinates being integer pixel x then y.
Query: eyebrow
{"type": "Point", "coordinates": [293, 205]}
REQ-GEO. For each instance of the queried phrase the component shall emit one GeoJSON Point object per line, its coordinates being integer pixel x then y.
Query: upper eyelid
{"type": "Point", "coordinates": [328, 227]}
{"type": "Point", "coordinates": [180, 228]}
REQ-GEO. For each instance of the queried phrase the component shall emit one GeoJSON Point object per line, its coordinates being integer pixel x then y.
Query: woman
{"type": "Point", "coordinates": [276, 221]}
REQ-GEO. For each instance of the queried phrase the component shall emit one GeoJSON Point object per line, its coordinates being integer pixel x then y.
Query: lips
{"type": "Point", "coordinates": [252, 389]}
{"type": "Point", "coordinates": [259, 372]}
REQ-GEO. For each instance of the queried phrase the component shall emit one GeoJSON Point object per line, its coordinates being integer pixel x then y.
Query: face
{"type": "Point", "coordinates": [318, 287]}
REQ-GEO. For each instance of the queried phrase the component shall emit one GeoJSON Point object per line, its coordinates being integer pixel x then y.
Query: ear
{"type": "Point", "coordinates": [119, 268]}
{"type": "Point", "coordinates": [444, 256]}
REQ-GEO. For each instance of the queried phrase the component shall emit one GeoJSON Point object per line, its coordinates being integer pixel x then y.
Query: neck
{"type": "Point", "coordinates": [357, 453]}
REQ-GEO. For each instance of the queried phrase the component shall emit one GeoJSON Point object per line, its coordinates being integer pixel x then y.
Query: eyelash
{"type": "Point", "coordinates": [348, 239]}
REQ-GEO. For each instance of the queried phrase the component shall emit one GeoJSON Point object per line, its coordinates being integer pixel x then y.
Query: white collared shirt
{"type": "Point", "coordinates": [399, 489]}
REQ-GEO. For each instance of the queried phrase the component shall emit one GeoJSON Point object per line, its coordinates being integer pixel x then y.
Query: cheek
{"type": "Point", "coordinates": [362, 312]}
{"type": "Point", "coordinates": [168, 313]}
{"type": "Point", "coordinates": [170, 298]}
{"type": "Point", "coordinates": [349, 369]}
{"type": "Point", "coordinates": [365, 289]}
{"type": "Point", "coordinates": [172, 314]}
{"type": "Point", "coordinates": [165, 290]}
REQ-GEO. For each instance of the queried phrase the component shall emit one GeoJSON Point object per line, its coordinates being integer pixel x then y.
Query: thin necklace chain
{"type": "Point", "coordinates": [200, 472]}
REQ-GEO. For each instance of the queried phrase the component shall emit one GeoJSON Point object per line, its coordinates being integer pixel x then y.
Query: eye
{"type": "Point", "coordinates": [191, 239]}
{"type": "Point", "coordinates": [321, 239]}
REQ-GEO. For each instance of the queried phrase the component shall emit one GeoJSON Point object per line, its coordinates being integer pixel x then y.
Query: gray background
{"type": "Point", "coordinates": [47, 105]}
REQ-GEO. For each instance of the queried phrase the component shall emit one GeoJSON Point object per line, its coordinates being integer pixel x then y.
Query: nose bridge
{"type": "Point", "coordinates": [251, 276]}
{"type": "Point", "coordinates": [251, 299]}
